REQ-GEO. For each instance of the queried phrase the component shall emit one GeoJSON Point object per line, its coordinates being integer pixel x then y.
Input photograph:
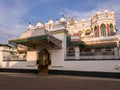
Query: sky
{"type": "Point", "coordinates": [15, 15]}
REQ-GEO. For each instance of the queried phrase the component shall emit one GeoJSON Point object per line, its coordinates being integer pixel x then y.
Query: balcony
{"type": "Point", "coordinates": [93, 56]}
{"type": "Point", "coordinates": [102, 38]}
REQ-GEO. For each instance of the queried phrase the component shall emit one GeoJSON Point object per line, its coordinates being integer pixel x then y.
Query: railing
{"type": "Point", "coordinates": [92, 56]}
{"type": "Point", "coordinates": [70, 55]}
{"type": "Point", "coordinates": [97, 53]}
{"type": "Point", "coordinates": [101, 38]}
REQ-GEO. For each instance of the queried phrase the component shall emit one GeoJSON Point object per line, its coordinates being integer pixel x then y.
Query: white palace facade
{"type": "Point", "coordinates": [87, 47]}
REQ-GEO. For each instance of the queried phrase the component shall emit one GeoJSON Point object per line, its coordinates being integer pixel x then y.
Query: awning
{"type": "Point", "coordinates": [75, 42]}
{"type": "Point", "coordinates": [44, 40]}
{"type": "Point", "coordinates": [102, 45]}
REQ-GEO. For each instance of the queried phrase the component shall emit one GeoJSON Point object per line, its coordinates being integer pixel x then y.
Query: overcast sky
{"type": "Point", "coordinates": [16, 14]}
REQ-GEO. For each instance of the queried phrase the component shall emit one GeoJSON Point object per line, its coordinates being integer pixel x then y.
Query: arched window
{"type": "Point", "coordinates": [95, 32]}
{"type": "Point", "coordinates": [71, 50]}
{"type": "Point", "coordinates": [103, 30]}
{"type": "Point", "coordinates": [111, 30]}
{"type": "Point", "coordinates": [88, 32]}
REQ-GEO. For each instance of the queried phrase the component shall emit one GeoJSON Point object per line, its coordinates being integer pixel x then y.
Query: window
{"type": "Point", "coordinates": [71, 50]}
{"type": "Point", "coordinates": [87, 32]}
{"type": "Point", "coordinates": [95, 32]}
{"type": "Point", "coordinates": [103, 30]}
{"type": "Point", "coordinates": [111, 30]}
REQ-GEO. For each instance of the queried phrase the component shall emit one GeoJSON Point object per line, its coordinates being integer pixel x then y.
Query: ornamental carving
{"type": "Point", "coordinates": [72, 21]}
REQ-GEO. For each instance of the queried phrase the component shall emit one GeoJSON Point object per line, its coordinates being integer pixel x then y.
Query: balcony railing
{"type": "Point", "coordinates": [93, 56]}
{"type": "Point", "coordinates": [101, 38]}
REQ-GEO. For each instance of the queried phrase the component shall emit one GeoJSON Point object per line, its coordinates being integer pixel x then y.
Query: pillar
{"type": "Point", "coordinates": [77, 52]}
{"type": "Point", "coordinates": [108, 29]}
{"type": "Point", "coordinates": [58, 55]}
{"type": "Point", "coordinates": [116, 51]}
{"type": "Point", "coordinates": [98, 29]}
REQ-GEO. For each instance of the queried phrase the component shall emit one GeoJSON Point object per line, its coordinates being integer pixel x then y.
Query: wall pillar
{"type": "Point", "coordinates": [116, 51]}
{"type": "Point", "coordinates": [77, 52]}
{"type": "Point", "coordinates": [98, 29]}
{"type": "Point", "coordinates": [108, 29]}
{"type": "Point", "coordinates": [58, 55]}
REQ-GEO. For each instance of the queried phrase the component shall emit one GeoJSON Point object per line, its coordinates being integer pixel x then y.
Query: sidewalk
{"type": "Point", "coordinates": [30, 75]}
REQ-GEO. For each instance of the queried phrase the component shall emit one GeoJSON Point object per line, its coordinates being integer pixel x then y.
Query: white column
{"type": "Point", "coordinates": [77, 52]}
{"type": "Point", "coordinates": [116, 51]}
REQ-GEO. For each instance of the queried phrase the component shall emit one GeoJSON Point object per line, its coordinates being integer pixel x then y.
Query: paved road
{"type": "Point", "coordinates": [17, 81]}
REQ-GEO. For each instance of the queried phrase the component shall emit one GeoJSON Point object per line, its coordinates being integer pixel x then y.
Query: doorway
{"type": "Point", "coordinates": [43, 62]}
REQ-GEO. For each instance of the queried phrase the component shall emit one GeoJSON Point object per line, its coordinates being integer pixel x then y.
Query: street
{"type": "Point", "coordinates": [18, 81]}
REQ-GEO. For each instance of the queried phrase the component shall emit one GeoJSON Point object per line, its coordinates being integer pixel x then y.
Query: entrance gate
{"type": "Point", "coordinates": [43, 62]}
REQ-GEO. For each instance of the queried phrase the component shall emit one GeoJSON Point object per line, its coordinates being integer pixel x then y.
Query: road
{"type": "Point", "coordinates": [18, 81]}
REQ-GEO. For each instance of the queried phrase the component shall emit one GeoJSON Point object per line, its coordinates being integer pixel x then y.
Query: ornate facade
{"type": "Point", "coordinates": [71, 47]}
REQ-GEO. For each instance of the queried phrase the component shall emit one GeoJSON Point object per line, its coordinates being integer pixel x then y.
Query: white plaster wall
{"type": "Point", "coordinates": [17, 65]}
{"type": "Point", "coordinates": [1, 58]}
{"type": "Point", "coordinates": [57, 56]}
{"type": "Point", "coordinates": [99, 66]}
{"type": "Point", "coordinates": [29, 64]}
{"type": "Point", "coordinates": [32, 55]}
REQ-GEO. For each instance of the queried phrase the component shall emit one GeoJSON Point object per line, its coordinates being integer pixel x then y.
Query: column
{"type": "Point", "coordinates": [98, 29]}
{"type": "Point", "coordinates": [108, 29]}
{"type": "Point", "coordinates": [77, 52]}
{"type": "Point", "coordinates": [116, 51]}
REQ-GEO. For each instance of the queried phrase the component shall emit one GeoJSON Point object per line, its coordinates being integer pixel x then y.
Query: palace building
{"type": "Point", "coordinates": [86, 48]}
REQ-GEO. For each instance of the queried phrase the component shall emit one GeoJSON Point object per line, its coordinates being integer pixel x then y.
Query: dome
{"type": "Point", "coordinates": [76, 21]}
{"type": "Point", "coordinates": [97, 12]}
{"type": "Point", "coordinates": [83, 20]}
{"type": "Point", "coordinates": [39, 25]}
{"type": "Point", "coordinates": [63, 19]}
{"type": "Point", "coordinates": [106, 11]}
{"type": "Point", "coordinates": [57, 22]}
{"type": "Point", "coordinates": [30, 26]}
{"type": "Point", "coordinates": [113, 11]}
{"type": "Point", "coordinates": [50, 21]}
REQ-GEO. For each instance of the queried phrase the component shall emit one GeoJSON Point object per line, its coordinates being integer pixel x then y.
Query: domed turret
{"type": "Point", "coordinates": [30, 26]}
{"type": "Point", "coordinates": [113, 11]}
{"type": "Point", "coordinates": [76, 21]}
{"type": "Point", "coordinates": [50, 21]}
{"type": "Point", "coordinates": [83, 20]}
{"type": "Point", "coordinates": [56, 22]}
{"type": "Point", "coordinates": [39, 25]}
{"type": "Point", "coordinates": [97, 12]}
{"type": "Point", "coordinates": [63, 19]}
{"type": "Point", "coordinates": [106, 11]}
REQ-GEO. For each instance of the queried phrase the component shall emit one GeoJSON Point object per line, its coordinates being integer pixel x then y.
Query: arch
{"type": "Point", "coordinates": [103, 30]}
{"type": "Point", "coordinates": [43, 61]}
{"type": "Point", "coordinates": [71, 50]}
{"type": "Point", "coordinates": [87, 32]}
{"type": "Point", "coordinates": [95, 31]}
{"type": "Point", "coordinates": [111, 29]}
